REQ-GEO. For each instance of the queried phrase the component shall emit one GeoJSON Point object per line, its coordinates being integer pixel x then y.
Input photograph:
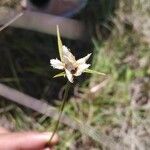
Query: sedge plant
{"type": "Point", "coordinates": [70, 68]}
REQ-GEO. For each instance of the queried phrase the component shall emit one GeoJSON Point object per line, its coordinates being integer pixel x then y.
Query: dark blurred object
{"type": "Point", "coordinates": [40, 3]}
{"type": "Point", "coordinates": [56, 7]}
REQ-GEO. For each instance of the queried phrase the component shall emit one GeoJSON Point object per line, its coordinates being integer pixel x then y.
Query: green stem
{"type": "Point", "coordinates": [67, 86]}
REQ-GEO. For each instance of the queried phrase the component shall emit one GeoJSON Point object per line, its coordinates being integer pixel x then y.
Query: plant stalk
{"type": "Point", "coordinates": [67, 86]}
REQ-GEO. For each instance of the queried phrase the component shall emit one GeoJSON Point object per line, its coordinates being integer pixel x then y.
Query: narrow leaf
{"type": "Point", "coordinates": [94, 72]}
{"type": "Point", "coordinates": [59, 75]}
{"type": "Point", "coordinates": [59, 43]}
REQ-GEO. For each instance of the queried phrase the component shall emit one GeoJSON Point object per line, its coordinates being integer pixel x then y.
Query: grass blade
{"type": "Point", "coordinates": [11, 21]}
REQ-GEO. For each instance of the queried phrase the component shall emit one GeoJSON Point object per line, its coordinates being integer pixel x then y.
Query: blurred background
{"type": "Point", "coordinates": [117, 32]}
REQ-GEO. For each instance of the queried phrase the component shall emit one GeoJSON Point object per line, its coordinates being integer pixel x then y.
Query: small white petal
{"type": "Point", "coordinates": [57, 64]}
{"type": "Point", "coordinates": [84, 59]}
{"type": "Point", "coordinates": [69, 75]}
{"type": "Point", "coordinates": [81, 68]}
{"type": "Point", "coordinates": [68, 54]}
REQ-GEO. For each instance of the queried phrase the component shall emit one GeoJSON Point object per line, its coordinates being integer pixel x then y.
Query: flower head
{"type": "Point", "coordinates": [69, 64]}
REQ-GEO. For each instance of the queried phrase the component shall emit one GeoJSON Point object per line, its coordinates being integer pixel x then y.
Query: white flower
{"type": "Point", "coordinates": [69, 64]}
